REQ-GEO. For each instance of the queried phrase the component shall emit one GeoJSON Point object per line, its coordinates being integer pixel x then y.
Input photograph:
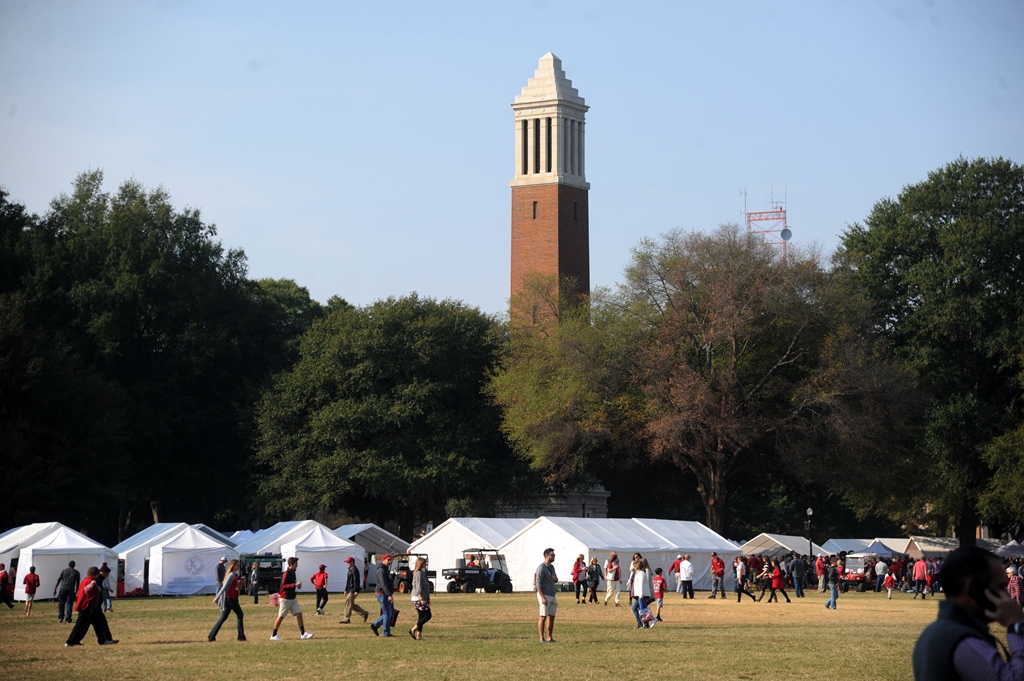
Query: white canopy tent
{"type": "Point", "coordinates": [937, 547]}
{"type": "Point", "coordinates": [13, 540]}
{"type": "Point", "coordinates": [593, 537]}
{"type": "Point", "coordinates": [134, 551]}
{"type": "Point", "coordinates": [771, 545]}
{"type": "Point", "coordinates": [185, 564]}
{"type": "Point", "coordinates": [320, 546]}
{"type": "Point", "coordinates": [697, 541]}
{"type": "Point", "coordinates": [848, 545]}
{"type": "Point", "coordinates": [51, 554]}
{"type": "Point", "coordinates": [241, 536]}
{"type": "Point", "coordinates": [888, 546]}
{"type": "Point", "coordinates": [272, 542]}
{"type": "Point", "coordinates": [373, 538]}
{"type": "Point", "coordinates": [446, 542]}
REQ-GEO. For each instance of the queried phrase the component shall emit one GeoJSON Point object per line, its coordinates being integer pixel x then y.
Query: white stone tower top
{"type": "Point", "coordinates": [549, 84]}
{"type": "Point", "coordinates": [550, 129]}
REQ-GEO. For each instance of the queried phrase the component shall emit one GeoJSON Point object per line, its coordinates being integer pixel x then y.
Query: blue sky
{"type": "Point", "coordinates": [365, 149]}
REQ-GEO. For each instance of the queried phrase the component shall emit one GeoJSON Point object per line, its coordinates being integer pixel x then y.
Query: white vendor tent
{"type": "Point", "coordinates": [938, 547]}
{"type": "Point", "coordinates": [888, 546]}
{"type": "Point", "coordinates": [273, 541]}
{"type": "Point", "coordinates": [134, 551]}
{"type": "Point", "coordinates": [593, 537]}
{"type": "Point", "coordinates": [320, 546]}
{"type": "Point", "coordinates": [241, 536]}
{"type": "Point", "coordinates": [697, 541]}
{"type": "Point", "coordinates": [446, 542]}
{"type": "Point", "coordinates": [373, 538]}
{"type": "Point", "coordinates": [185, 563]}
{"type": "Point", "coordinates": [13, 540]}
{"type": "Point", "coordinates": [51, 554]}
{"type": "Point", "coordinates": [218, 536]}
{"type": "Point", "coordinates": [848, 545]}
{"type": "Point", "coordinates": [772, 545]}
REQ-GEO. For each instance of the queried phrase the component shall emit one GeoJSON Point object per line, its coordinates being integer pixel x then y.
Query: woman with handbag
{"type": "Point", "coordinates": [642, 591]}
{"type": "Point", "coordinates": [227, 599]}
{"type": "Point", "coordinates": [420, 597]}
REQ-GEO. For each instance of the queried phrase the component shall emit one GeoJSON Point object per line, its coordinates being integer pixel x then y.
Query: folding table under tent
{"type": "Point", "coordinates": [593, 537]}
{"type": "Point", "coordinates": [696, 540]}
{"type": "Point", "coordinates": [51, 554]}
{"type": "Point", "coordinates": [320, 546]}
{"type": "Point", "coordinates": [773, 545]}
{"type": "Point", "coordinates": [185, 564]}
{"type": "Point", "coordinates": [445, 543]}
{"type": "Point", "coordinates": [134, 551]}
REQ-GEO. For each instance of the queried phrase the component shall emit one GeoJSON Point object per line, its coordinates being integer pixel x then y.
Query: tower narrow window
{"type": "Point", "coordinates": [534, 210]}
{"type": "Point", "coordinates": [547, 144]}
{"type": "Point", "coordinates": [526, 147]}
{"type": "Point", "coordinates": [536, 145]}
{"type": "Point", "coordinates": [575, 212]}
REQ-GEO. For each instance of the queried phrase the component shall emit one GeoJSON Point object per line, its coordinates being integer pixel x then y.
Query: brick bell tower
{"type": "Point", "coordinates": [550, 218]}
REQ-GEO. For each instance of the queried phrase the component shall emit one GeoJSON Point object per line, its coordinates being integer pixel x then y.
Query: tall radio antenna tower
{"type": "Point", "coordinates": [771, 224]}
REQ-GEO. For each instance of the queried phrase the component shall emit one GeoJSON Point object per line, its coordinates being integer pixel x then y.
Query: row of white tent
{"type": "Point", "coordinates": [522, 541]}
{"type": "Point", "coordinates": [181, 559]}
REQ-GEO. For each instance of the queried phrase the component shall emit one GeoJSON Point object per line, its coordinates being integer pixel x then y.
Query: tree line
{"type": "Point", "coordinates": [144, 376]}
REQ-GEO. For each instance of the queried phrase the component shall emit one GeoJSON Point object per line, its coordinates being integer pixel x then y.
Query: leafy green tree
{"type": "Point", "coordinates": [941, 266]}
{"type": "Point", "coordinates": [153, 304]}
{"type": "Point", "coordinates": [59, 420]}
{"type": "Point", "coordinates": [384, 416]}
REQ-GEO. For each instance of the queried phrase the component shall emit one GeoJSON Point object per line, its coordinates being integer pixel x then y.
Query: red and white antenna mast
{"type": "Point", "coordinates": [771, 224]}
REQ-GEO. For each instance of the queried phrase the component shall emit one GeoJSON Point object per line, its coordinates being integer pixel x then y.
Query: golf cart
{"type": "Point", "coordinates": [479, 569]}
{"type": "Point", "coordinates": [402, 565]}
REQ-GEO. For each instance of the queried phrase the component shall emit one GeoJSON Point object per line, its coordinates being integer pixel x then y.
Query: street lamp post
{"type": "Point", "coordinates": [807, 526]}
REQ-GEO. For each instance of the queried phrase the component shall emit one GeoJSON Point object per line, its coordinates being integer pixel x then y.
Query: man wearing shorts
{"type": "Point", "coordinates": [545, 580]}
{"type": "Point", "coordinates": [289, 604]}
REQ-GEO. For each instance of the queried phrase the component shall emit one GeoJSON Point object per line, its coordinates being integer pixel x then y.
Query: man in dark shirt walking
{"type": "Point", "coordinates": [385, 596]}
{"type": "Point", "coordinates": [65, 590]}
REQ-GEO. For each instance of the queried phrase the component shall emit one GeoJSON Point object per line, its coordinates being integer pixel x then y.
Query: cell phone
{"type": "Point", "coordinates": [977, 592]}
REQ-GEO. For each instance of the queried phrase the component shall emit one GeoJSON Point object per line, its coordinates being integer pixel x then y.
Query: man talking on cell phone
{"type": "Point", "coordinates": [958, 644]}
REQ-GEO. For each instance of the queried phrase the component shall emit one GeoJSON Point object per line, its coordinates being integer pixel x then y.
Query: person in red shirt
{"type": "Point", "coordinates": [673, 569]}
{"type": "Point", "coordinates": [778, 583]}
{"type": "Point", "coordinates": [87, 605]}
{"type": "Point", "coordinates": [319, 582]}
{"type": "Point", "coordinates": [659, 586]}
{"type": "Point", "coordinates": [920, 578]}
{"type": "Point", "coordinates": [717, 575]}
{"type": "Point", "coordinates": [819, 570]}
{"type": "Point", "coordinates": [31, 583]}
{"type": "Point", "coordinates": [579, 578]}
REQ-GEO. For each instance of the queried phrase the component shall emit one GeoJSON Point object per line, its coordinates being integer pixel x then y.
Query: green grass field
{"type": "Point", "coordinates": [483, 636]}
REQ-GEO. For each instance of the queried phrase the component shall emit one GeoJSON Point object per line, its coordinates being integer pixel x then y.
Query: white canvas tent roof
{"type": "Point", "coordinates": [777, 544]}
{"type": "Point", "coordinates": [373, 538]}
{"type": "Point", "coordinates": [848, 545]}
{"type": "Point", "coordinates": [270, 542]}
{"type": "Point", "coordinates": [593, 537]}
{"type": "Point", "coordinates": [241, 535]}
{"type": "Point", "coordinates": [185, 563]}
{"type": "Point", "coordinates": [935, 547]}
{"type": "Point", "coordinates": [895, 545]}
{"type": "Point", "coordinates": [51, 554]}
{"type": "Point", "coordinates": [134, 551]}
{"type": "Point", "coordinates": [697, 541]}
{"type": "Point", "coordinates": [1011, 549]}
{"type": "Point", "coordinates": [321, 546]}
{"type": "Point", "coordinates": [14, 539]}
{"type": "Point", "coordinates": [446, 542]}
{"type": "Point", "coordinates": [219, 536]}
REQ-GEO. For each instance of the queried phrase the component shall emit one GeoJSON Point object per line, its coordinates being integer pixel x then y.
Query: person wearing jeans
{"type": "Point", "coordinates": [385, 596]}
{"type": "Point", "coordinates": [832, 579]}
